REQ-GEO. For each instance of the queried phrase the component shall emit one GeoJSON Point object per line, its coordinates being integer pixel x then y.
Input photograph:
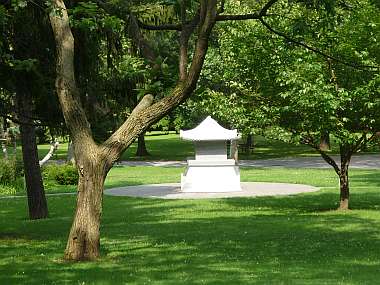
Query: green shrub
{"type": "Point", "coordinates": [11, 177]}
{"type": "Point", "coordinates": [64, 174]}
{"type": "Point", "coordinates": [13, 188]}
{"type": "Point", "coordinates": [7, 171]}
{"type": "Point", "coordinates": [68, 176]}
{"type": "Point", "coordinates": [7, 190]}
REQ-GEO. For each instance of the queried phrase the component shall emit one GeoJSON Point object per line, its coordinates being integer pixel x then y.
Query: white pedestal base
{"type": "Point", "coordinates": [211, 176]}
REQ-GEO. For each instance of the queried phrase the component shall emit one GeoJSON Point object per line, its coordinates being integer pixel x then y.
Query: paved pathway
{"type": "Point", "coordinates": [173, 191]}
{"type": "Point", "coordinates": [358, 161]}
{"type": "Point", "coordinates": [170, 191]}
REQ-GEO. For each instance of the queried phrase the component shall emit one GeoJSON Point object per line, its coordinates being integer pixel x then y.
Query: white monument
{"type": "Point", "coordinates": [211, 171]}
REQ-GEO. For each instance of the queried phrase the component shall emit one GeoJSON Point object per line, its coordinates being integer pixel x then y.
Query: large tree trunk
{"type": "Point", "coordinates": [84, 238]}
{"type": "Point", "coordinates": [34, 186]}
{"type": "Point", "coordinates": [141, 146]}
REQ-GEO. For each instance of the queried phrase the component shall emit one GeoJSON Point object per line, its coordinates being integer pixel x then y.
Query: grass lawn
{"type": "Point", "coordinates": [284, 240]}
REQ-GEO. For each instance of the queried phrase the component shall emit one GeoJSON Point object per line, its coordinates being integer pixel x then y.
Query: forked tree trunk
{"type": "Point", "coordinates": [141, 146]}
{"type": "Point", "coordinates": [84, 238]}
{"type": "Point", "coordinates": [346, 152]}
{"type": "Point", "coordinates": [93, 161]}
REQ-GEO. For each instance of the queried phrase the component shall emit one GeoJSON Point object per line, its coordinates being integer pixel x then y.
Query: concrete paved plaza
{"type": "Point", "coordinates": [173, 191]}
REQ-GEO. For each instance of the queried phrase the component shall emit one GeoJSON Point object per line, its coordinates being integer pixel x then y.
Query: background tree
{"type": "Point", "coordinates": [311, 73]}
{"type": "Point", "coordinates": [24, 74]}
{"type": "Point", "coordinates": [328, 94]}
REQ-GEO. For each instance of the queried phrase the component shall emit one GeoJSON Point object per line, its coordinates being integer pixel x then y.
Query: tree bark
{"type": "Point", "coordinates": [141, 146]}
{"type": "Point", "coordinates": [345, 158]}
{"type": "Point", "coordinates": [84, 238]}
{"type": "Point", "coordinates": [234, 151]}
{"type": "Point", "coordinates": [344, 190]}
{"type": "Point", "coordinates": [324, 143]}
{"type": "Point", "coordinates": [346, 152]}
{"type": "Point", "coordinates": [35, 190]}
{"type": "Point", "coordinates": [249, 143]}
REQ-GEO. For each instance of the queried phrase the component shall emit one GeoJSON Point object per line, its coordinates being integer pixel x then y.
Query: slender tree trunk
{"type": "Point", "coordinates": [234, 151]}
{"type": "Point", "coordinates": [344, 189]}
{"type": "Point", "coordinates": [14, 145]}
{"type": "Point", "coordinates": [345, 157]}
{"type": "Point", "coordinates": [141, 146]}
{"type": "Point", "coordinates": [53, 148]}
{"type": "Point", "coordinates": [249, 143]}
{"type": "Point", "coordinates": [34, 186]}
{"type": "Point", "coordinates": [70, 153]}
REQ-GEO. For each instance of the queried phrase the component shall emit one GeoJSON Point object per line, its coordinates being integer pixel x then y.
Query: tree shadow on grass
{"type": "Point", "coordinates": [224, 241]}
{"type": "Point", "coordinates": [368, 179]}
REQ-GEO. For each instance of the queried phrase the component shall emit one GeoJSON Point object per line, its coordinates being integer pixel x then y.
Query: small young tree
{"type": "Point", "coordinates": [321, 95]}
{"type": "Point", "coordinates": [302, 77]}
{"type": "Point", "coordinates": [314, 106]}
{"type": "Point", "coordinates": [24, 57]}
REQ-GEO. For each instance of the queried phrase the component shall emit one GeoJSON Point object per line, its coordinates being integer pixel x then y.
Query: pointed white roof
{"type": "Point", "coordinates": [209, 130]}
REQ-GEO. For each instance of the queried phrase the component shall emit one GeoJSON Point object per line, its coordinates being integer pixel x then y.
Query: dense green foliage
{"type": "Point", "coordinates": [11, 177]}
{"type": "Point", "coordinates": [257, 80]}
{"type": "Point", "coordinates": [63, 174]}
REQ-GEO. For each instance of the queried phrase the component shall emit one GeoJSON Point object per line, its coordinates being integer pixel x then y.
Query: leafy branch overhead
{"type": "Point", "coordinates": [262, 13]}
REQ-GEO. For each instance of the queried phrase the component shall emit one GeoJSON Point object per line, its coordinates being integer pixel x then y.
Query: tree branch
{"type": "Point", "coordinates": [310, 142]}
{"type": "Point", "coordinates": [145, 102]}
{"type": "Point", "coordinates": [329, 160]}
{"type": "Point", "coordinates": [317, 51]}
{"type": "Point", "coordinates": [20, 121]}
{"type": "Point", "coordinates": [253, 16]}
{"type": "Point", "coordinates": [122, 137]}
{"type": "Point", "coordinates": [183, 46]}
{"type": "Point", "coordinates": [266, 7]}
{"type": "Point", "coordinates": [67, 91]}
